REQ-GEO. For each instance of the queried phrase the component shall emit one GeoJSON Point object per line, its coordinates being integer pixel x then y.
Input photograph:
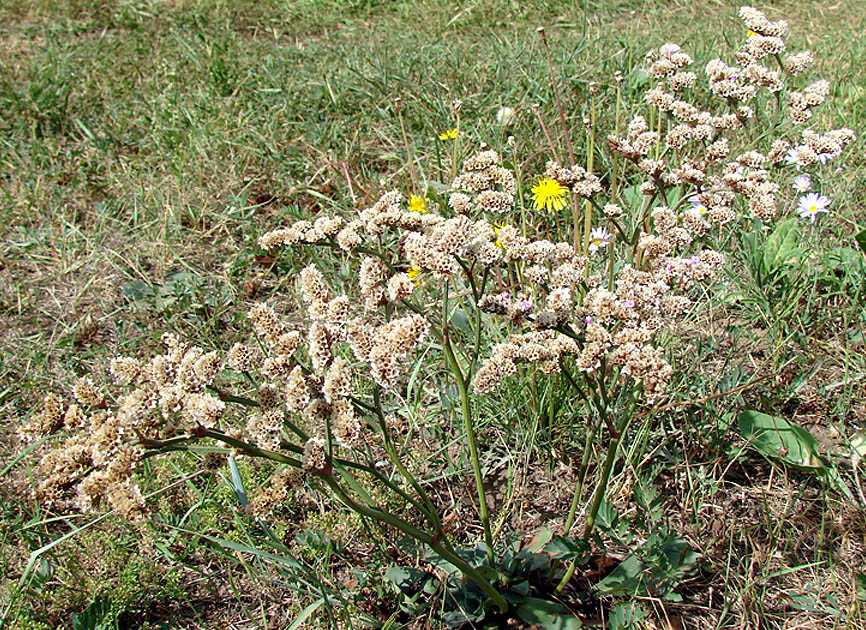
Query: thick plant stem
{"type": "Point", "coordinates": [434, 542]}
{"type": "Point", "coordinates": [473, 445]}
{"type": "Point", "coordinates": [600, 491]}
{"type": "Point", "coordinates": [581, 477]}
{"type": "Point", "coordinates": [605, 476]}
{"type": "Point", "coordinates": [431, 513]}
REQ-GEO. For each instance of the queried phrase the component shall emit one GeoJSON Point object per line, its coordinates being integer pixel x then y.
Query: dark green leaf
{"type": "Point", "coordinates": [860, 237]}
{"type": "Point", "coordinates": [780, 248]}
{"type": "Point", "coordinates": [460, 321]}
{"type": "Point", "coordinates": [777, 438]}
{"type": "Point", "coordinates": [625, 616]}
{"type": "Point", "coordinates": [136, 290]}
{"type": "Point", "coordinates": [548, 615]}
{"type": "Point", "coordinates": [564, 548]}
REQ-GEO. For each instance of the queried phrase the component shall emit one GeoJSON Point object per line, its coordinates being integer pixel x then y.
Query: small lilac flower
{"type": "Point", "coordinates": [802, 183]}
{"type": "Point", "coordinates": [811, 205]}
{"type": "Point", "coordinates": [628, 304]}
{"type": "Point", "coordinates": [696, 260]}
{"type": "Point", "coordinates": [598, 238]}
{"type": "Point", "coordinates": [526, 305]}
{"type": "Point", "coordinates": [506, 296]}
{"type": "Point", "coordinates": [588, 320]}
{"type": "Point", "coordinates": [826, 157]}
{"type": "Point", "coordinates": [669, 50]}
{"type": "Point", "coordinates": [697, 205]}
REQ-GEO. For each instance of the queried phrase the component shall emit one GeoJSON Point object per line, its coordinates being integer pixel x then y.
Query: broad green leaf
{"type": "Point", "coordinates": [780, 248]}
{"type": "Point", "coordinates": [438, 187]}
{"type": "Point", "coordinates": [136, 290]}
{"type": "Point", "coordinates": [547, 615]}
{"type": "Point", "coordinates": [779, 439]}
{"type": "Point", "coordinates": [655, 570]}
{"type": "Point", "coordinates": [410, 581]}
{"type": "Point", "coordinates": [633, 198]}
{"type": "Point", "coordinates": [625, 579]}
{"type": "Point", "coordinates": [564, 548]}
{"type": "Point", "coordinates": [460, 321]}
{"type": "Point", "coordinates": [639, 78]}
{"type": "Point", "coordinates": [846, 259]}
{"type": "Point", "coordinates": [541, 538]}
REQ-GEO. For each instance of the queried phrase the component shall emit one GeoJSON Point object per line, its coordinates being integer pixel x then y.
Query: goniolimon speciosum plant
{"type": "Point", "coordinates": [325, 396]}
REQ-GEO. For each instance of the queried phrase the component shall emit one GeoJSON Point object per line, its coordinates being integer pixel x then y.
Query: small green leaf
{"type": "Point", "coordinates": [460, 321]}
{"type": "Point", "coordinates": [860, 579]}
{"type": "Point", "coordinates": [547, 615]}
{"type": "Point", "coordinates": [779, 439]}
{"type": "Point", "coordinates": [136, 290]}
{"type": "Point", "coordinates": [564, 548]}
{"type": "Point", "coordinates": [860, 237]}
{"type": "Point", "coordinates": [626, 615]}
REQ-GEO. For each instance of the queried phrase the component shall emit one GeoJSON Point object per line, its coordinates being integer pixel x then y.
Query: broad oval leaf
{"type": "Point", "coordinates": [547, 615]}
{"type": "Point", "coordinates": [779, 439]}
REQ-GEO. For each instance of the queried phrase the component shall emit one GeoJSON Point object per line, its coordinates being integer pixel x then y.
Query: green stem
{"type": "Point", "coordinates": [600, 491]}
{"type": "Point", "coordinates": [433, 542]}
{"type": "Point", "coordinates": [223, 396]}
{"type": "Point", "coordinates": [410, 159]}
{"type": "Point", "coordinates": [581, 477]}
{"type": "Point", "coordinates": [470, 438]}
{"type": "Point", "coordinates": [430, 513]}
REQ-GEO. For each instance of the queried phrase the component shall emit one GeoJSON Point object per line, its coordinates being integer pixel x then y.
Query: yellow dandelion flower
{"type": "Point", "coordinates": [750, 33]}
{"type": "Point", "coordinates": [416, 204]}
{"type": "Point", "coordinates": [549, 194]}
{"type": "Point", "coordinates": [496, 228]}
{"type": "Point", "coordinates": [413, 273]}
{"type": "Point", "coordinates": [448, 134]}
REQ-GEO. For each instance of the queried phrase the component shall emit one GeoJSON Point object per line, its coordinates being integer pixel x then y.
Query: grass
{"type": "Point", "coordinates": [146, 145]}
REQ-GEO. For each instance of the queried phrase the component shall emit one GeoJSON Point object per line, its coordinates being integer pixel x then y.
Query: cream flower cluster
{"type": "Point", "coordinates": [704, 139]}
